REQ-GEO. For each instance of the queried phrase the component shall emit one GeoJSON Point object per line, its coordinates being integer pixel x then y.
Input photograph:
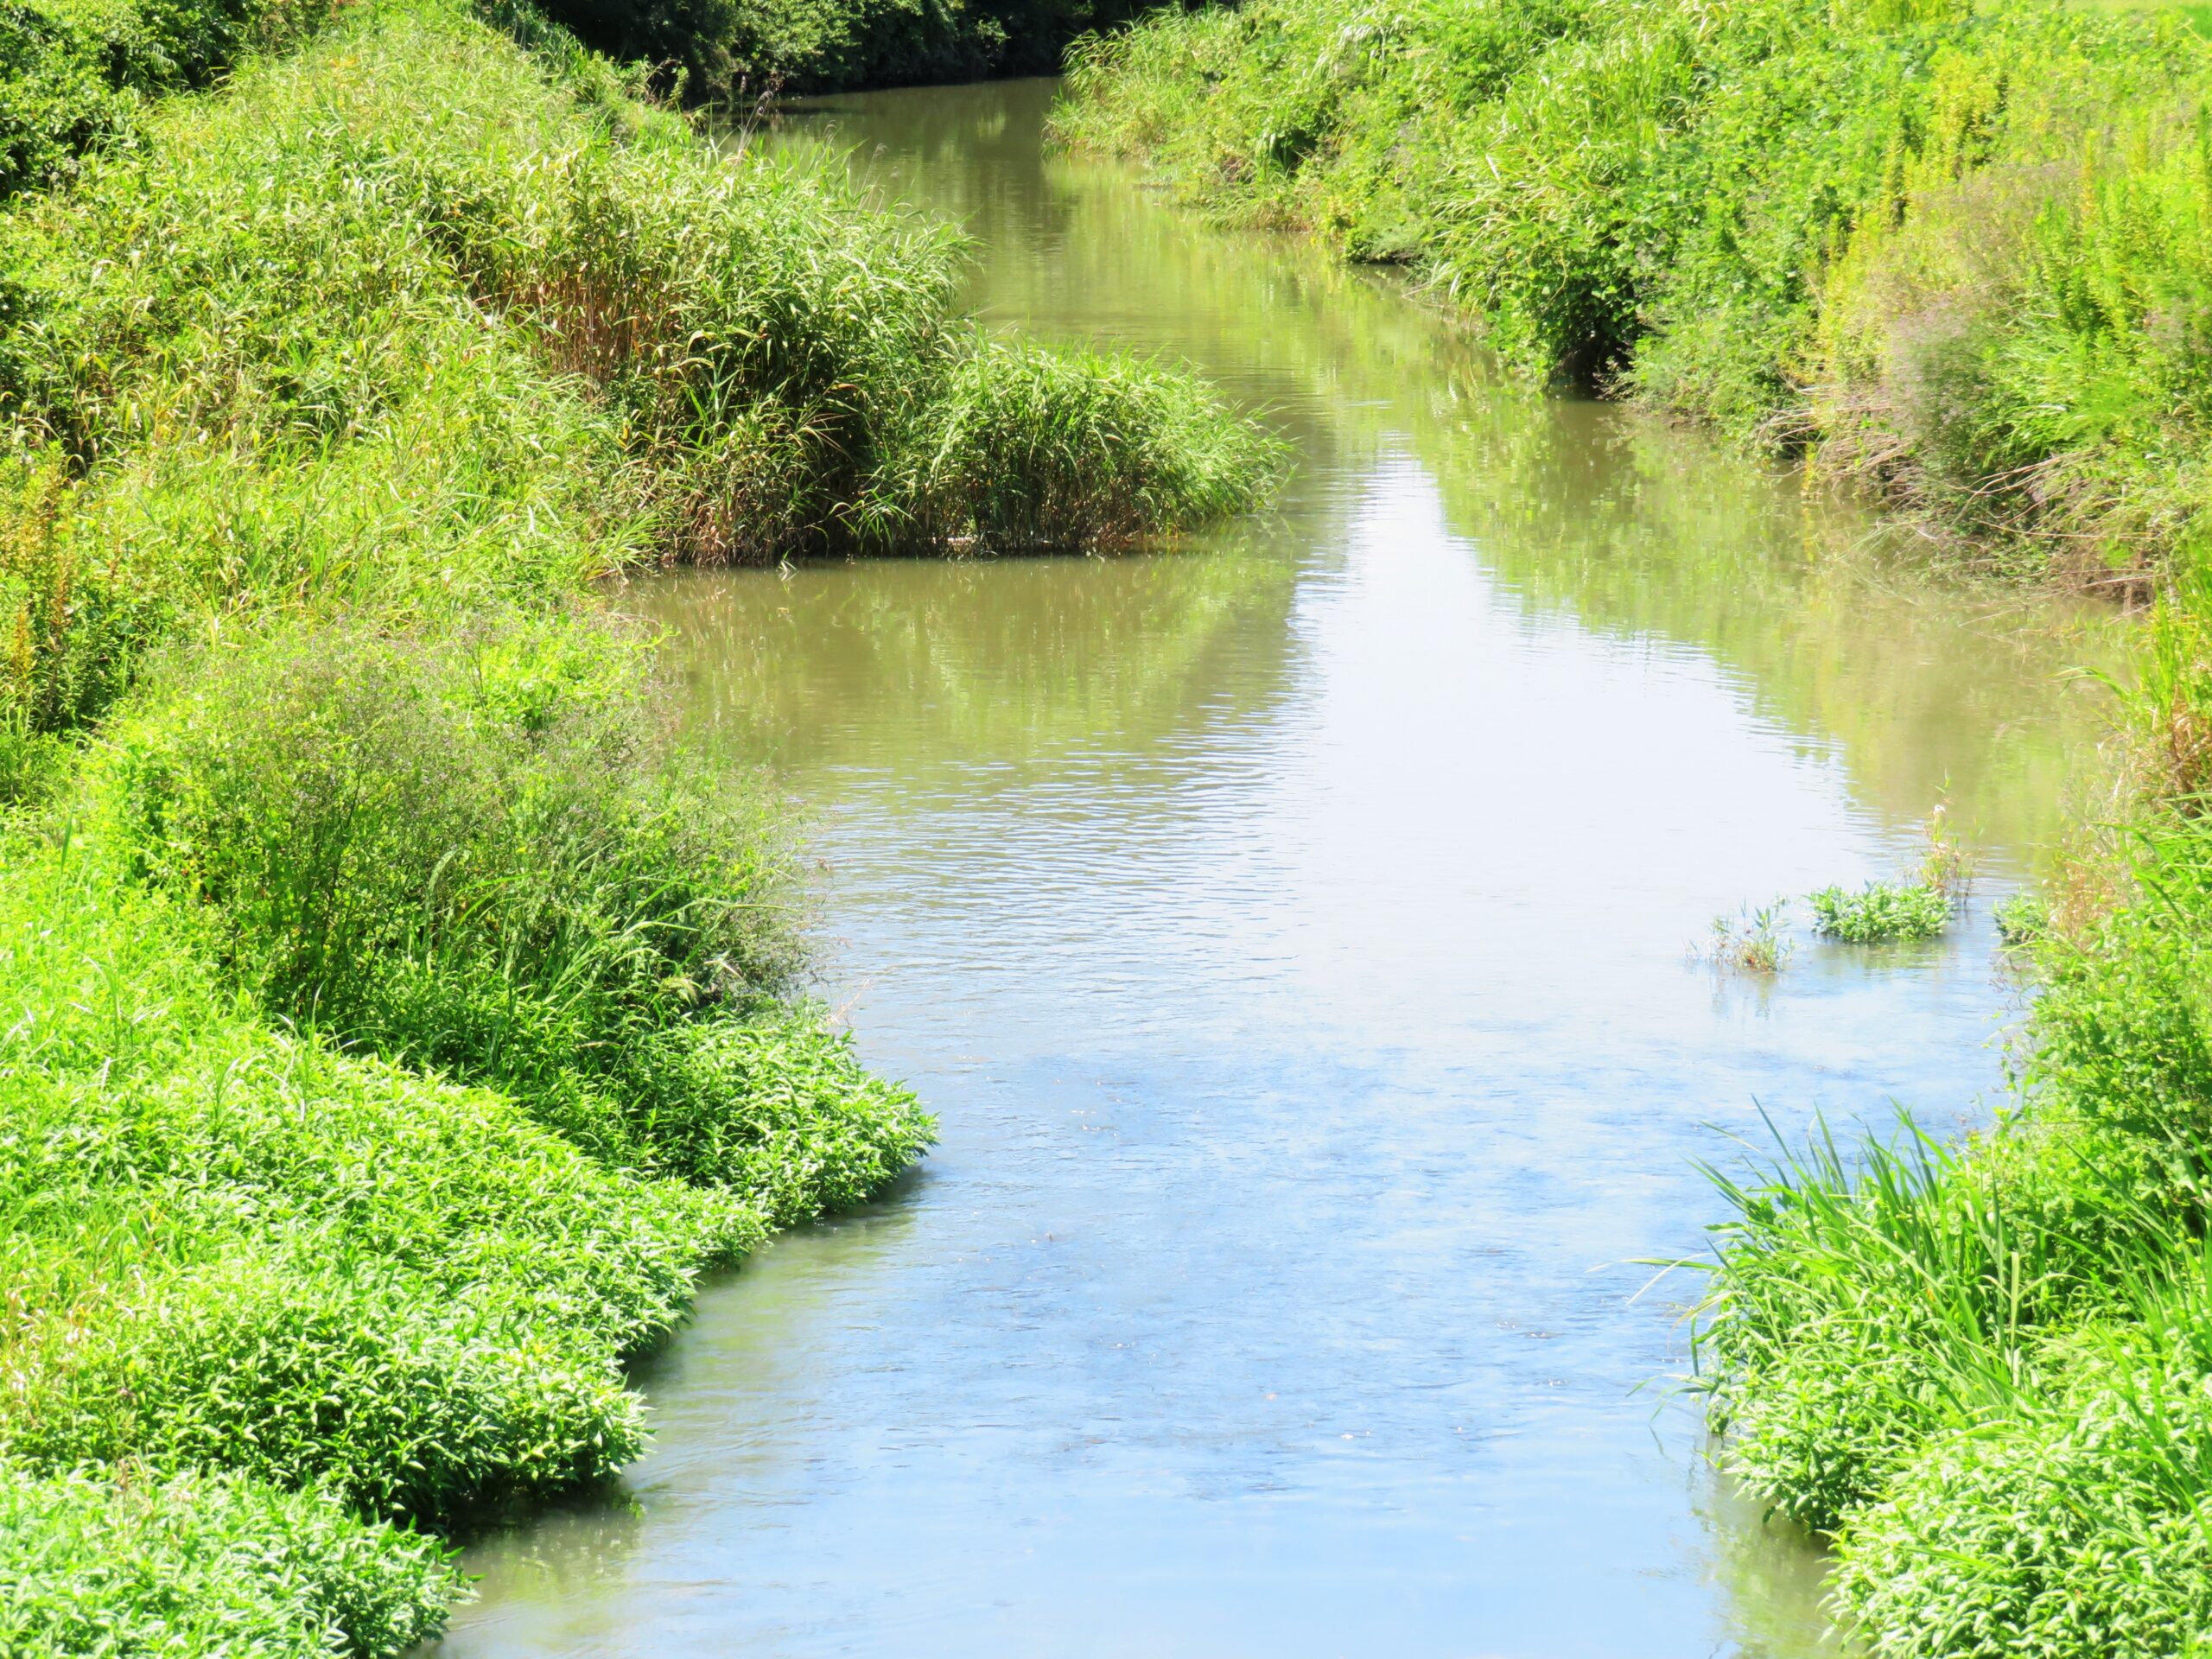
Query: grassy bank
{"type": "Point", "coordinates": [395, 1017]}
{"type": "Point", "coordinates": [1951, 249]}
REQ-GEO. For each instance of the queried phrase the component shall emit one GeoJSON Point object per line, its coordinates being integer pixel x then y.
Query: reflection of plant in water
{"type": "Point", "coordinates": [1774, 1574]}
{"type": "Point", "coordinates": [1009, 660]}
{"type": "Point", "coordinates": [1633, 531]}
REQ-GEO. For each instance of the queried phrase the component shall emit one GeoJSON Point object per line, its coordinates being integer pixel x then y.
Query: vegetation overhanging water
{"type": "Point", "coordinates": [423, 1017]}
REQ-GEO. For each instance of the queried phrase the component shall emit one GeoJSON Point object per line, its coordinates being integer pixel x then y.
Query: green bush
{"type": "Point", "coordinates": [487, 856]}
{"type": "Point", "coordinates": [1866, 1297]}
{"type": "Point", "coordinates": [1881, 911]}
{"type": "Point", "coordinates": [2071, 1524]}
{"type": "Point", "coordinates": [75, 74]}
{"type": "Point", "coordinates": [203, 1566]}
{"type": "Point", "coordinates": [775, 1108]}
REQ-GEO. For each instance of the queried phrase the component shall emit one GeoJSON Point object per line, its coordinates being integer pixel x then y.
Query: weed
{"type": "Point", "coordinates": [1880, 911]}
{"type": "Point", "coordinates": [2022, 919]}
{"type": "Point", "coordinates": [1753, 942]}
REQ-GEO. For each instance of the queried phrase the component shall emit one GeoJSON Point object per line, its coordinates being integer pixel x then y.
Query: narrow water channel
{"type": "Point", "coordinates": [1290, 931]}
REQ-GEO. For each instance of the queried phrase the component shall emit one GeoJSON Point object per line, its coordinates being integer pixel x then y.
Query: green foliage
{"type": "Point", "coordinates": [1956, 247]}
{"type": "Point", "coordinates": [721, 47]}
{"type": "Point", "coordinates": [205, 1566]}
{"type": "Point", "coordinates": [1881, 911]}
{"type": "Point", "coordinates": [1985, 1370]}
{"type": "Point", "coordinates": [485, 856]}
{"type": "Point", "coordinates": [2070, 1524]}
{"type": "Point", "coordinates": [2022, 919]}
{"type": "Point", "coordinates": [225, 1246]}
{"type": "Point", "coordinates": [505, 800]}
{"type": "Point", "coordinates": [394, 1021]}
{"type": "Point", "coordinates": [75, 74]}
{"type": "Point", "coordinates": [446, 328]}
{"type": "Point", "coordinates": [1031, 449]}
{"type": "Point", "coordinates": [1753, 943]}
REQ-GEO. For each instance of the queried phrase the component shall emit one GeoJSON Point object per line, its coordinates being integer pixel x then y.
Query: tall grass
{"type": "Point", "coordinates": [76, 75]}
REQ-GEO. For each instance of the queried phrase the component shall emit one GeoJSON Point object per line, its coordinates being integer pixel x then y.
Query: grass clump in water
{"type": "Point", "coordinates": [1880, 911]}
{"type": "Point", "coordinates": [1917, 907]}
{"type": "Point", "coordinates": [1753, 943]}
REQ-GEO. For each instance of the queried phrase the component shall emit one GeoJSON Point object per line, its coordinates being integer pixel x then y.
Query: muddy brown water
{"type": "Point", "coordinates": [1290, 931]}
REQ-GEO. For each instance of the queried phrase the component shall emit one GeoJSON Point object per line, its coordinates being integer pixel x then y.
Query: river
{"type": "Point", "coordinates": [1291, 931]}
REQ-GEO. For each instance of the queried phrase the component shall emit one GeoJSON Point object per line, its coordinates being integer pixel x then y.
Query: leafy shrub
{"type": "Point", "coordinates": [204, 1566]}
{"type": "Point", "coordinates": [504, 799]}
{"type": "Point", "coordinates": [1864, 1298]}
{"type": "Point", "coordinates": [1881, 911]}
{"type": "Point", "coordinates": [2022, 919]}
{"type": "Point", "coordinates": [775, 1108]}
{"type": "Point", "coordinates": [2072, 1524]}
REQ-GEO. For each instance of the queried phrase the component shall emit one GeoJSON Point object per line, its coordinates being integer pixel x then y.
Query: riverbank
{"type": "Point", "coordinates": [1946, 249]}
{"type": "Point", "coordinates": [1953, 251]}
{"type": "Point", "coordinates": [399, 1017]}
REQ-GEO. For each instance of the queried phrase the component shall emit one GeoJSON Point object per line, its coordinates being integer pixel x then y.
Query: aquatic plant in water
{"type": "Point", "coordinates": [1753, 943]}
{"type": "Point", "coordinates": [1880, 911]}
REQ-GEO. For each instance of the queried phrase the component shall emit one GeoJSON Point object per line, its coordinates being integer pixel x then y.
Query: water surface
{"type": "Point", "coordinates": [1290, 931]}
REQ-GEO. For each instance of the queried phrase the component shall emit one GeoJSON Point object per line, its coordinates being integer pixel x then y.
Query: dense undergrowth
{"type": "Point", "coordinates": [395, 1018]}
{"type": "Point", "coordinates": [1954, 247]}
{"type": "Point", "coordinates": [721, 49]}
